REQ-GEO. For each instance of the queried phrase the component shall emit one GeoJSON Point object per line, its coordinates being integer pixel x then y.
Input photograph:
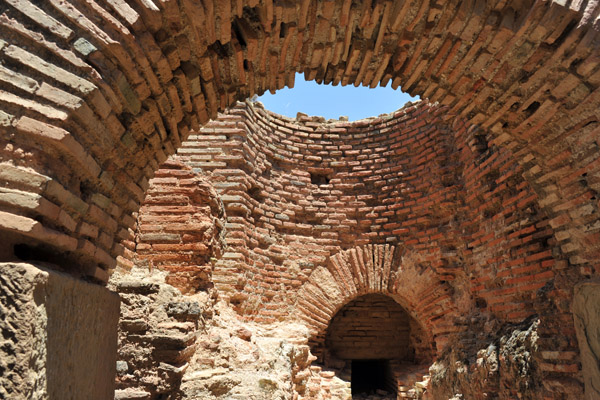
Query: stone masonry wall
{"type": "Point", "coordinates": [191, 346]}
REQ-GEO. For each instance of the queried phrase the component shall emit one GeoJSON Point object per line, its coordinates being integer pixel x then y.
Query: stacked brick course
{"type": "Point", "coordinates": [370, 327]}
{"type": "Point", "coordinates": [180, 228]}
{"type": "Point", "coordinates": [299, 192]}
{"type": "Point", "coordinates": [411, 205]}
{"type": "Point", "coordinates": [95, 95]}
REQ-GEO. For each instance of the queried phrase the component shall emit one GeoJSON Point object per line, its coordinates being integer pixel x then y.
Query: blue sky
{"type": "Point", "coordinates": [334, 101]}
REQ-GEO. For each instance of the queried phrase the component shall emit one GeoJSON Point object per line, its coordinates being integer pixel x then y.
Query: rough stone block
{"type": "Point", "coordinates": [59, 335]}
{"type": "Point", "coordinates": [586, 313]}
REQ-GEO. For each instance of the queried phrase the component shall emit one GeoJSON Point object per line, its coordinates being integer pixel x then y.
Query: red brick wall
{"type": "Point", "coordinates": [440, 191]}
{"type": "Point", "coordinates": [508, 239]}
{"type": "Point", "coordinates": [391, 181]}
{"type": "Point", "coordinates": [471, 239]}
{"type": "Point", "coordinates": [179, 228]}
{"type": "Point", "coordinates": [296, 192]}
{"type": "Point", "coordinates": [370, 327]}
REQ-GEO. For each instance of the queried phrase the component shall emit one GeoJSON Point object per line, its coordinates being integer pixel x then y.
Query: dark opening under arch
{"type": "Point", "coordinates": [374, 343]}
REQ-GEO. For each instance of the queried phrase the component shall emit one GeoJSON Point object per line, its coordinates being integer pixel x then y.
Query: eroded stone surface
{"type": "Point", "coordinates": [192, 346]}
{"type": "Point", "coordinates": [58, 335]}
{"type": "Point", "coordinates": [158, 330]}
{"type": "Point", "coordinates": [586, 312]}
{"type": "Point", "coordinates": [502, 365]}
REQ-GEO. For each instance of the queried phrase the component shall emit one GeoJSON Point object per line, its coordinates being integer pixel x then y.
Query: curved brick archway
{"type": "Point", "coordinates": [380, 269]}
{"type": "Point", "coordinates": [95, 95]}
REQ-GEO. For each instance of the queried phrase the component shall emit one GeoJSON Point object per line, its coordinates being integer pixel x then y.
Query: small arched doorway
{"type": "Point", "coordinates": [375, 344]}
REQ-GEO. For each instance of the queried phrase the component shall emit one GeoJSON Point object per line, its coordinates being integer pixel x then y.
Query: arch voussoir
{"type": "Point", "coordinates": [419, 290]}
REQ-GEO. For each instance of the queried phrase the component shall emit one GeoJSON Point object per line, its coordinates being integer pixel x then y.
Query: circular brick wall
{"type": "Point", "coordinates": [410, 205]}
{"type": "Point", "coordinates": [95, 95]}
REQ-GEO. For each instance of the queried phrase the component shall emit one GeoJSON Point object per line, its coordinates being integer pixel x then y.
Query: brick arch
{"type": "Point", "coordinates": [381, 269]}
{"type": "Point", "coordinates": [94, 95]}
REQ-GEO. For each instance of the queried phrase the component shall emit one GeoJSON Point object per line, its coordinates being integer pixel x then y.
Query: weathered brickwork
{"type": "Point", "coordinates": [370, 327]}
{"type": "Point", "coordinates": [87, 89]}
{"type": "Point", "coordinates": [408, 180]}
{"type": "Point", "coordinates": [296, 193]}
{"type": "Point", "coordinates": [411, 205]}
{"type": "Point", "coordinates": [95, 95]}
{"type": "Point", "coordinates": [180, 228]}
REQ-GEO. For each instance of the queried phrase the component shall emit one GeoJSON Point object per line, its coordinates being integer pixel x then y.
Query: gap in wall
{"type": "Point", "coordinates": [333, 102]}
